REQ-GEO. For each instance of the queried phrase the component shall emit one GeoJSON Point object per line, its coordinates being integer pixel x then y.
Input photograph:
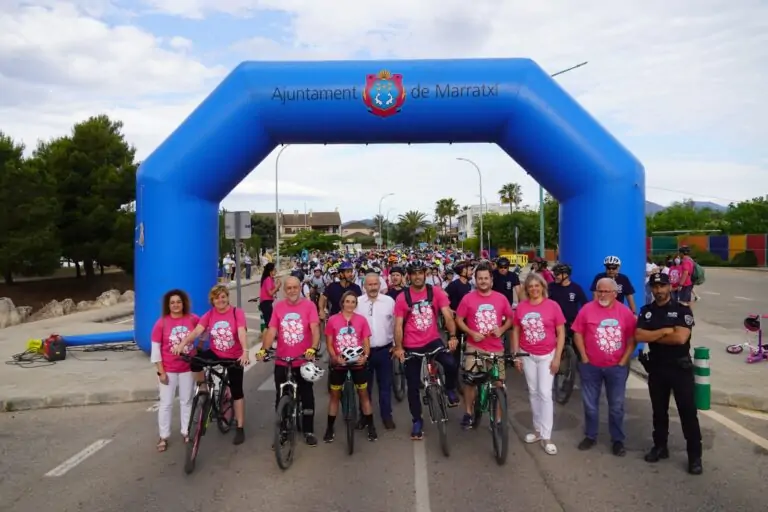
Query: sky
{"type": "Point", "coordinates": [681, 84]}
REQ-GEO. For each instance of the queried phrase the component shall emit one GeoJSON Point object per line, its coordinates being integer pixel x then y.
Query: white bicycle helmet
{"type": "Point", "coordinates": [310, 372]}
{"type": "Point", "coordinates": [352, 354]}
{"type": "Point", "coordinates": [611, 260]}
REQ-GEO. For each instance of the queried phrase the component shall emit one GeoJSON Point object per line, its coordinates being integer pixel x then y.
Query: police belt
{"type": "Point", "coordinates": [651, 362]}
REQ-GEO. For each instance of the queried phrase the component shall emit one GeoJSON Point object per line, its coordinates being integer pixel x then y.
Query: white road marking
{"type": "Point", "coordinates": [268, 385]}
{"type": "Point", "coordinates": [253, 316]}
{"type": "Point", "coordinates": [78, 458]}
{"type": "Point", "coordinates": [742, 298]}
{"type": "Point", "coordinates": [126, 321]}
{"type": "Point", "coordinates": [753, 414]}
{"type": "Point", "coordinates": [706, 292]}
{"type": "Point", "coordinates": [154, 407]}
{"type": "Point", "coordinates": [252, 356]}
{"type": "Point", "coordinates": [421, 480]}
{"type": "Point", "coordinates": [635, 382]}
{"type": "Point", "coordinates": [737, 429]}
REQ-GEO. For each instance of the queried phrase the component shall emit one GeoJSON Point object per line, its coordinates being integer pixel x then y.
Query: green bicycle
{"type": "Point", "coordinates": [491, 399]}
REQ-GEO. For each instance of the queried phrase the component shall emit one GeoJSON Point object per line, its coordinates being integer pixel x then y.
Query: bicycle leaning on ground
{"type": "Point", "coordinates": [757, 353]}
{"type": "Point", "coordinates": [215, 404]}
{"type": "Point", "coordinates": [433, 381]}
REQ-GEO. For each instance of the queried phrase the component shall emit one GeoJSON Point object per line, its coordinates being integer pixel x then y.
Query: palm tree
{"type": "Point", "coordinates": [441, 213]}
{"type": "Point", "coordinates": [379, 222]}
{"type": "Point", "coordinates": [451, 210]}
{"type": "Point", "coordinates": [512, 195]}
{"type": "Point", "coordinates": [411, 224]}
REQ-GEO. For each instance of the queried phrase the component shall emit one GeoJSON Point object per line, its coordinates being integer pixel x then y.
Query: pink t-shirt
{"type": "Point", "coordinates": [675, 273]}
{"type": "Point", "coordinates": [345, 333]}
{"type": "Point", "coordinates": [267, 285]}
{"type": "Point", "coordinates": [223, 330]}
{"type": "Point", "coordinates": [605, 331]}
{"type": "Point", "coordinates": [293, 324]}
{"type": "Point", "coordinates": [420, 324]}
{"type": "Point", "coordinates": [538, 326]}
{"type": "Point", "coordinates": [547, 275]}
{"type": "Point", "coordinates": [169, 332]}
{"type": "Point", "coordinates": [484, 313]}
{"type": "Point", "coordinates": [686, 266]}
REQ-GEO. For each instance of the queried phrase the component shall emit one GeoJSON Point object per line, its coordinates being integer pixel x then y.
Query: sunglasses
{"type": "Point", "coordinates": [612, 267]}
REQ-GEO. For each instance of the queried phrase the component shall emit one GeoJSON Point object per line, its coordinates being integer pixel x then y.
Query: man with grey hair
{"type": "Point", "coordinates": [379, 310]}
{"type": "Point", "coordinates": [604, 335]}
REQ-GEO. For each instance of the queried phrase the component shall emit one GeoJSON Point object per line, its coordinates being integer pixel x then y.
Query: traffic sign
{"type": "Point", "coordinates": [237, 221]}
{"type": "Point", "coordinates": [378, 240]}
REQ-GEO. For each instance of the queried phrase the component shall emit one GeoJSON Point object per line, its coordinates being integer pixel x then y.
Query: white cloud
{"type": "Point", "coordinates": [688, 71]}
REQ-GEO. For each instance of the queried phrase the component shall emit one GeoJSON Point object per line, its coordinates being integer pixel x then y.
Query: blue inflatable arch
{"type": "Point", "coordinates": [260, 105]}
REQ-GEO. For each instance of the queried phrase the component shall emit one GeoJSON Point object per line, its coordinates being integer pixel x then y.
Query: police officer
{"type": "Point", "coordinates": [665, 325]}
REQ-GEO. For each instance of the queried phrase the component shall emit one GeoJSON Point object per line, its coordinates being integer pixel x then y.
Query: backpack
{"type": "Point", "coordinates": [698, 276]}
{"type": "Point", "coordinates": [409, 299]}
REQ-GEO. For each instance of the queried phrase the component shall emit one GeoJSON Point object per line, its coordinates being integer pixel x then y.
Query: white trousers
{"type": "Point", "coordinates": [540, 381]}
{"type": "Point", "coordinates": [185, 382]}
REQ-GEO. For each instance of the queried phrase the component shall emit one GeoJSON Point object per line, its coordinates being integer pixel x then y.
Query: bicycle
{"type": "Point", "coordinates": [565, 378]}
{"type": "Point", "coordinates": [433, 380]}
{"type": "Point", "coordinates": [492, 399]}
{"type": "Point", "coordinates": [757, 353]}
{"type": "Point", "coordinates": [349, 409]}
{"type": "Point", "coordinates": [288, 413]}
{"type": "Point", "coordinates": [398, 380]}
{"type": "Point", "coordinates": [216, 404]}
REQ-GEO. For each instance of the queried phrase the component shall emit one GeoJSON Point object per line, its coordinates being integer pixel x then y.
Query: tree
{"type": "Point", "coordinates": [511, 194]}
{"type": "Point", "coordinates": [410, 225]}
{"type": "Point", "coordinates": [264, 227]}
{"type": "Point", "coordinates": [28, 211]}
{"type": "Point", "coordinates": [685, 216]}
{"type": "Point", "coordinates": [311, 241]}
{"type": "Point", "coordinates": [551, 221]}
{"type": "Point", "coordinates": [748, 216]}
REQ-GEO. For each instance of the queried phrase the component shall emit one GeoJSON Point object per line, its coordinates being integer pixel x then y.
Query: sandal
{"type": "Point", "coordinates": [162, 445]}
{"type": "Point", "coordinates": [532, 438]}
{"type": "Point", "coordinates": [185, 438]}
{"type": "Point", "coordinates": [549, 447]}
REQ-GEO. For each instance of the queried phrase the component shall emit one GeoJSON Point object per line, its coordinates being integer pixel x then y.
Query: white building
{"type": "Point", "coordinates": [468, 219]}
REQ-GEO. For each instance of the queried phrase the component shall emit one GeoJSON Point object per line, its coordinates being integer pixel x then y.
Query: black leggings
{"type": "Point", "coordinates": [306, 393]}
{"type": "Point", "coordinates": [265, 307]}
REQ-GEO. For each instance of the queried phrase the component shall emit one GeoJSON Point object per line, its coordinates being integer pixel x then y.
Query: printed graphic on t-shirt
{"type": "Point", "coordinates": [347, 337]}
{"type": "Point", "coordinates": [422, 316]}
{"type": "Point", "coordinates": [176, 335]}
{"type": "Point", "coordinates": [291, 329]}
{"type": "Point", "coordinates": [674, 276]}
{"type": "Point", "coordinates": [222, 336]}
{"type": "Point", "coordinates": [533, 328]}
{"type": "Point", "coordinates": [609, 336]}
{"type": "Point", "coordinates": [486, 319]}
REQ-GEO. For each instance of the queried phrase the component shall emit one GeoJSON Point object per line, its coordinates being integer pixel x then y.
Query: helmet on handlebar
{"type": "Point", "coordinates": [752, 323]}
{"type": "Point", "coordinates": [474, 378]}
{"type": "Point", "coordinates": [310, 372]}
{"type": "Point", "coordinates": [352, 354]}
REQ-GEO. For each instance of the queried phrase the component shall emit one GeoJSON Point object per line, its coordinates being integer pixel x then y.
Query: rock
{"type": "Point", "coordinates": [84, 305]}
{"type": "Point", "coordinates": [8, 314]}
{"type": "Point", "coordinates": [108, 298]}
{"type": "Point", "coordinates": [68, 306]}
{"type": "Point", "coordinates": [128, 296]}
{"type": "Point", "coordinates": [53, 309]}
{"type": "Point", "coordinates": [24, 312]}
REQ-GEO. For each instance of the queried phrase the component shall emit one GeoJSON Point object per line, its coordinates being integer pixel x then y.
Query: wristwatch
{"type": "Point", "coordinates": [159, 374]}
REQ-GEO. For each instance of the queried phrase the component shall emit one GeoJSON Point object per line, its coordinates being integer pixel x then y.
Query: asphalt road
{"type": "Point", "coordinates": [103, 458]}
{"type": "Point", "coordinates": [729, 295]}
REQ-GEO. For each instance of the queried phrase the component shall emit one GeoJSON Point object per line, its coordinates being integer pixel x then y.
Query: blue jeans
{"type": "Point", "coordinates": [380, 364]}
{"type": "Point", "coordinates": [413, 375]}
{"type": "Point", "coordinates": [592, 379]}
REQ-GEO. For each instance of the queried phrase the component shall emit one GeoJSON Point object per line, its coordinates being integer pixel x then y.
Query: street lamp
{"type": "Point", "coordinates": [480, 175]}
{"type": "Point", "coordinates": [380, 218]}
{"type": "Point", "coordinates": [387, 219]}
{"type": "Point", "coordinates": [541, 189]}
{"type": "Point", "coordinates": [277, 210]}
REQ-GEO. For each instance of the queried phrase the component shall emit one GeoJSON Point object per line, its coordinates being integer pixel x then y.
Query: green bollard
{"type": "Point", "coordinates": [701, 371]}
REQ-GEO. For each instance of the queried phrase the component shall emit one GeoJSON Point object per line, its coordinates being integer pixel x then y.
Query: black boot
{"type": "Point", "coordinates": [694, 465]}
{"type": "Point", "coordinates": [657, 453]}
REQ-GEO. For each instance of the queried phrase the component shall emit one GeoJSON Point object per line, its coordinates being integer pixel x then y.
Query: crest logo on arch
{"type": "Point", "coordinates": [384, 93]}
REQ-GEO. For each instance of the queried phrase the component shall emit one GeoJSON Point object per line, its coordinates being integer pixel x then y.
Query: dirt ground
{"type": "Point", "coordinates": [39, 293]}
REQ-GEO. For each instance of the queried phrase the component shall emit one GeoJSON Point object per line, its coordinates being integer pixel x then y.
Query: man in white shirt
{"type": "Point", "coordinates": [379, 310]}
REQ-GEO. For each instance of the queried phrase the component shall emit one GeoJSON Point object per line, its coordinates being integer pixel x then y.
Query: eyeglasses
{"type": "Point", "coordinates": [605, 292]}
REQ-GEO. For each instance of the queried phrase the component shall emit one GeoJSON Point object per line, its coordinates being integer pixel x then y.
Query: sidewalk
{"type": "Point", "coordinates": [734, 382]}
{"type": "Point", "coordinates": [90, 375]}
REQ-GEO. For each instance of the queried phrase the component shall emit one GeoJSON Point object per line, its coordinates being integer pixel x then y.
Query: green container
{"type": "Point", "coordinates": [701, 371]}
{"type": "Point", "coordinates": [663, 246]}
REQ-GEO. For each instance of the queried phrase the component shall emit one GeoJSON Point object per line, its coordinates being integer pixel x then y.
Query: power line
{"type": "Point", "coordinates": [691, 194]}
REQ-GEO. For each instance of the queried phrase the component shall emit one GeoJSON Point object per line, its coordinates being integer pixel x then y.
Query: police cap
{"type": "Point", "coordinates": [658, 278]}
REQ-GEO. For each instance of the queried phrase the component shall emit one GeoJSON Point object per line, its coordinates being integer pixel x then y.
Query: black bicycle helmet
{"type": "Point", "coordinates": [397, 269]}
{"type": "Point", "coordinates": [562, 268]}
{"type": "Point", "coordinates": [416, 266]}
{"type": "Point", "coordinates": [503, 262]}
{"type": "Point", "coordinates": [684, 249]}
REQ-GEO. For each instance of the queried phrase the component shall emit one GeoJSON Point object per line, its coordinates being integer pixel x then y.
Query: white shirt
{"type": "Point", "coordinates": [650, 268]}
{"type": "Point", "coordinates": [380, 314]}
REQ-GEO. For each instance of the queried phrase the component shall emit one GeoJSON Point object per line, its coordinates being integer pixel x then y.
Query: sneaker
{"type": "Point", "coordinates": [389, 424]}
{"type": "Point", "coordinates": [329, 436]}
{"type": "Point", "coordinates": [586, 444]}
{"type": "Point", "coordinates": [310, 439]}
{"type": "Point", "coordinates": [372, 435]}
{"type": "Point", "coordinates": [417, 432]}
{"type": "Point", "coordinates": [453, 397]}
{"type": "Point", "coordinates": [239, 436]}
{"type": "Point", "coordinates": [466, 422]}
{"type": "Point", "coordinates": [361, 423]}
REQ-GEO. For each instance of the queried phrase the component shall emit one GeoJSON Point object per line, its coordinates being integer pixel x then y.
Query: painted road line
{"type": "Point", "coordinates": [737, 429]}
{"type": "Point", "coordinates": [253, 316]}
{"type": "Point", "coordinates": [268, 385]}
{"type": "Point", "coordinates": [421, 478]}
{"type": "Point", "coordinates": [126, 321]}
{"type": "Point", "coordinates": [252, 356]}
{"type": "Point", "coordinates": [635, 382]}
{"type": "Point", "coordinates": [753, 414]}
{"type": "Point", "coordinates": [705, 292]}
{"type": "Point", "coordinates": [78, 458]}
{"type": "Point", "coordinates": [742, 298]}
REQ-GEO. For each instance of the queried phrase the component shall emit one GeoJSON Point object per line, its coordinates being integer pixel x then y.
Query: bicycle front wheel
{"type": "Point", "coordinates": [499, 425]}
{"type": "Point", "coordinates": [285, 432]}
{"type": "Point", "coordinates": [398, 380]}
{"type": "Point", "coordinates": [195, 431]}
{"type": "Point", "coordinates": [349, 409]}
{"type": "Point", "coordinates": [439, 412]}
{"type": "Point", "coordinates": [225, 410]}
{"type": "Point", "coordinates": [565, 379]}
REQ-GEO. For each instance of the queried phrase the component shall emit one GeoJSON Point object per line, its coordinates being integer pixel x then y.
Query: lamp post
{"type": "Point", "coordinates": [380, 218]}
{"type": "Point", "coordinates": [480, 175]}
{"type": "Point", "coordinates": [277, 209]}
{"type": "Point", "coordinates": [387, 219]}
{"type": "Point", "coordinates": [541, 189]}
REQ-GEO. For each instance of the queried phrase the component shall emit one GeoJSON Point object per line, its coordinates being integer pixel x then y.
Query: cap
{"type": "Point", "coordinates": [658, 278]}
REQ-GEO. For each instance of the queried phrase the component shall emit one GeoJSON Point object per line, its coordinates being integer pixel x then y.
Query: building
{"type": "Point", "coordinates": [328, 223]}
{"type": "Point", "coordinates": [356, 228]}
{"type": "Point", "coordinates": [469, 218]}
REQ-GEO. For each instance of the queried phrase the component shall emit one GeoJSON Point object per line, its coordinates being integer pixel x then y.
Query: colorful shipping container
{"type": "Point", "coordinates": [724, 246]}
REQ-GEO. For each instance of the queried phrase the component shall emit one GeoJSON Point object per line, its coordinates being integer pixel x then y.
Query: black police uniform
{"type": "Point", "coordinates": [670, 371]}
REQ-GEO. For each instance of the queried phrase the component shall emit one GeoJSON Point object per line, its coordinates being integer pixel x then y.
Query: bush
{"type": "Point", "coordinates": [744, 259]}
{"type": "Point", "coordinates": [707, 259]}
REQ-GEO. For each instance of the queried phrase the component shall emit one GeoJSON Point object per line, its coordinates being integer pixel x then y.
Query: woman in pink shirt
{"type": "Point", "coordinates": [270, 285]}
{"type": "Point", "coordinates": [343, 331]}
{"type": "Point", "coordinates": [173, 372]}
{"type": "Point", "coordinates": [227, 328]}
{"type": "Point", "coordinates": [539, 331]}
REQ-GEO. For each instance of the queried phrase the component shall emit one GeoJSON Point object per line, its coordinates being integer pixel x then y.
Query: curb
{"type": "Point", "coordinates": [79, 399]}
{"type": "Point", "coordinates": [752, 402]}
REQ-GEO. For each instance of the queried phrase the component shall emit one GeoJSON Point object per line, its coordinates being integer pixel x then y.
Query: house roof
{"type": "Point", "coordinates": [356, 225]}
{"type": "Point", "coordinates": [312, 219]}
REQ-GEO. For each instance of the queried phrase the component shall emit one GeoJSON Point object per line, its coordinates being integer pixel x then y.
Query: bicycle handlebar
{"type": "Point", "coordinates": [411, 355]}
{"type": "Point", "coordinates": [210, 362]}
{"type": "Point", "coordinates": [289, 360]}
{"type": "Point", "coordinates": [486, 357]}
